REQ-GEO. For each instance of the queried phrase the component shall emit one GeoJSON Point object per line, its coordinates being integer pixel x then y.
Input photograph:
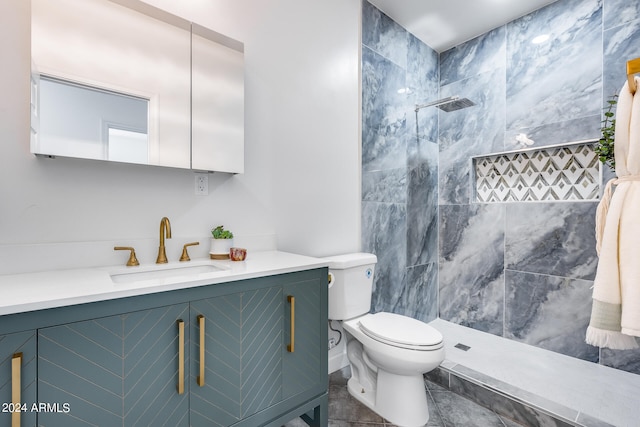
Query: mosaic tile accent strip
{"type": "Point", "coordinates": [559, 173]}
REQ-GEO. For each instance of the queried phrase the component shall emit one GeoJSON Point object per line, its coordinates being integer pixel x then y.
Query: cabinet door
{"type": "Point", "coordinates": [217, 108]}
{"type": "Point", "coordinates": [215, 396]}
{"type": "Point", "coordinates": [18, 369]}
{"type": "Point", "coordinates": [152, 371]}
{"type": "Point", "coordinates": [118, 370]}
{"type": "Point", "coordinates": [302, 365]}
{"type": "Point", "coordinates": [242, 357]}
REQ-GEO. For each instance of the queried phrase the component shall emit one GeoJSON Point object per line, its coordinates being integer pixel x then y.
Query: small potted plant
{"type": "Point", "coordinates": [221, 243]}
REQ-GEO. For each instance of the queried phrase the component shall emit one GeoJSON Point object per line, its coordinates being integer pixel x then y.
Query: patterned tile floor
{"type": "Point", "coordinates": [446, 409]}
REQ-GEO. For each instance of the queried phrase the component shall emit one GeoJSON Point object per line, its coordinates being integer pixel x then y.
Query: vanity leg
{"type": "Point", "coordinates": [320, 414]}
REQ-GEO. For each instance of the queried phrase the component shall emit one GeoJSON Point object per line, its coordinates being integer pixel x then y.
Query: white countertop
{"type": "Point", "coordinates": [49, 289]}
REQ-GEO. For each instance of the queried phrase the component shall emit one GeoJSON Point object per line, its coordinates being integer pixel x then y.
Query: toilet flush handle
{"type": "Point", "coordinates": [331, 279]}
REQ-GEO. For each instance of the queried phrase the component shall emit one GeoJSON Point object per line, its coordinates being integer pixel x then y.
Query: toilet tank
{"type": "Point", "coordinates": [350, 284]}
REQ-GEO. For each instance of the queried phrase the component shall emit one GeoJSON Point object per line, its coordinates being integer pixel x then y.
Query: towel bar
{"type": "Point", "coordinates": [633, 67]}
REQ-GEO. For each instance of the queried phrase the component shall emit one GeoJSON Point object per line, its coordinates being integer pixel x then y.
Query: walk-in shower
{"type": "Point", "coordinates": [447, 105]}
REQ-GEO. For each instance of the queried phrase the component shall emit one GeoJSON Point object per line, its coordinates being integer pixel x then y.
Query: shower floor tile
{"type": "Point", "coordinates": [573, 389]}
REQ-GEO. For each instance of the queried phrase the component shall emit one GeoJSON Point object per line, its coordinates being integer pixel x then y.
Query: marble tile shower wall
{"type": "Point", "coordinates": [399, 166]}
{"type": "Point", "coordinates": [518, 270]}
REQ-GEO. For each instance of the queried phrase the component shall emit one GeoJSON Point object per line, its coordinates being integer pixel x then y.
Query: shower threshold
{"type": "Point", "coordinates": [534, 386]}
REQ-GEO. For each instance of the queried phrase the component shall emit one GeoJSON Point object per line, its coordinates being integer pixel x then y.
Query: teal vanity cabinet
{"type": "Point", "coordinates": [244, 353]}
{"type": "Point", "coordinates": [252, 369]}
{"type": "Point", "coordinates": [121, 370]}
{"type": "Point", "coordinates": [239, 373]}
{"type": "Point", "coordinates": [18, 378]}
{"type": "Point", "coordinates": [303, 369]}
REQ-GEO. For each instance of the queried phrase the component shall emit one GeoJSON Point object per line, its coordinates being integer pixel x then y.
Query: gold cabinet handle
{"type": "Point", "coordinates": [180, 356]}
{"type": "Point", "coordinates": [200, 378]}
{"type": "Point", "coordinates": [292, 323]}
{"type": "Point", "coordinates": [16, 367]}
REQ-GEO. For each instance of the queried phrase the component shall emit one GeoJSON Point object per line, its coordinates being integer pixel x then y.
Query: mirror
{"type": "Point", "coordinates": [112, 80]}
{"type": "Point", "coordinates": [84, 121]}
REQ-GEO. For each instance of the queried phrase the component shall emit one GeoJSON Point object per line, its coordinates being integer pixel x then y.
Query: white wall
{"type": "Point", "coordinates": [302, 145]}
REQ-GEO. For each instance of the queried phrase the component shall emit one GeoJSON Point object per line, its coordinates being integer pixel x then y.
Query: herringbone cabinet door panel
{"type": "Point", "coordinates": [217, 402]}
{"type": "Point", "coordinates": [261, 349]}
{"type": "Point", "coordinates": [114, 371]}
{"type": "Point", "coordinates": [81, 364]}
{"type": "Point", "coordinates": [303, 367]}
{"type": "Point", "coordinates": [242, 358]}
{"type": "Point", "coordinates": [151, 368]}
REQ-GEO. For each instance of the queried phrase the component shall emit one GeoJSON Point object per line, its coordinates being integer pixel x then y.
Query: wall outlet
{"type": "Point", "coordinates": [202, 184]}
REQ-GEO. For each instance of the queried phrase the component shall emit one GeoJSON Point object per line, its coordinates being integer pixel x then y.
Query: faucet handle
{"type": "Point", "coordinates": [185, 254]}
{"type": "Point", "coordinates": [132, 257]}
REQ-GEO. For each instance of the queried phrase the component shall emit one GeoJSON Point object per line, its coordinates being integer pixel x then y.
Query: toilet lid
{"type": "Point", "coordinates": [401, 331]}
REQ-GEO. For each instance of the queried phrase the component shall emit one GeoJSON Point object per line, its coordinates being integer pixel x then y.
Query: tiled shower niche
{"type": "Point", "coordinates": [555, 173]}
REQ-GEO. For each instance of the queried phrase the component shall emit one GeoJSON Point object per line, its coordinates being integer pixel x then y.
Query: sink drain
{"type": "Point", "coordinates": [462, 347]}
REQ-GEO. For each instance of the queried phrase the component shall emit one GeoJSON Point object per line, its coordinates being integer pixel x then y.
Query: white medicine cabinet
{"type": "Point", "coordinates": [120, 80]}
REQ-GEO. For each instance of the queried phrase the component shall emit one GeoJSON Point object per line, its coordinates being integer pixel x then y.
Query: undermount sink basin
{"type": "Point", "coordinates": [164, 273]}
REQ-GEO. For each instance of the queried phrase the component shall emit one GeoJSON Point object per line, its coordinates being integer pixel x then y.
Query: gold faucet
{"type": "Point", "coordinates": [133, 261]}
{"type": "Point", "coordinates": [165, 229]}
{"type": "Point", "coordinates": [185, 254]}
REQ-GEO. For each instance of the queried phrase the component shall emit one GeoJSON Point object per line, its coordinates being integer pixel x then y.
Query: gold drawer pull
{"type": "Point", "coordinates": [200, 378]}
{"type": "Point", "coordinates": [292, 323]}
{"type": "Point", "coordinates": [180, 356]}
{"type": "Point", "coordinates": [16, 367]}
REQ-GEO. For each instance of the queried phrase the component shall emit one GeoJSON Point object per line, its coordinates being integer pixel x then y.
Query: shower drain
{"type": "Point", "coordinates": [462, 347]}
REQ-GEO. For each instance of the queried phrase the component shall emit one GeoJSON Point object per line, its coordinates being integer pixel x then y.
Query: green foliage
{"type": "Point", "coordinates": [220, 233]}
{"type": "Point", "coordinates": [605, 147]}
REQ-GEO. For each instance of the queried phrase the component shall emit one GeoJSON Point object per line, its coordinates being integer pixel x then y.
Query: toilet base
{"type": "Point", "coordinates": [365, 396]}
{"type": "Point", "coordinates": [399, 399]}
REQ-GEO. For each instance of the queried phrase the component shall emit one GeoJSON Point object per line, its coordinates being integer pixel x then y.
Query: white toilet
{"type": "Point", "coordinates": [388, 353]}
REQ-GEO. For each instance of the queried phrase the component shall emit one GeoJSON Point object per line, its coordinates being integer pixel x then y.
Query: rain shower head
{"type": "Point", "coordinates": [456, 104]}
{"type": "Point", "coordinates": [447, 105]}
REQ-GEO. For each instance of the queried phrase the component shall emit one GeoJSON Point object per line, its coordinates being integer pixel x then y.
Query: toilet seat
{"type": "Point", "coordinates": [401, 331]}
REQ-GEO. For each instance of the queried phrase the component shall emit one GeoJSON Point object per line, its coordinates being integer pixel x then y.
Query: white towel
{"type": "Point", "coordinates": [615, 316]}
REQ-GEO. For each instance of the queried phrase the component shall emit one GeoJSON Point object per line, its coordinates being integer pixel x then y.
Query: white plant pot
{"type": "Point", "coordinates": [220, 248]}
